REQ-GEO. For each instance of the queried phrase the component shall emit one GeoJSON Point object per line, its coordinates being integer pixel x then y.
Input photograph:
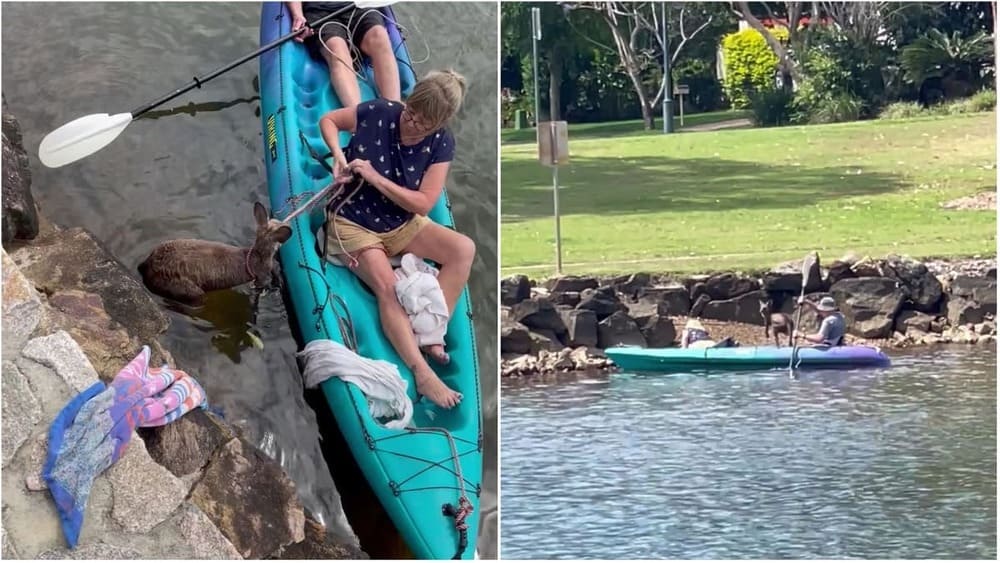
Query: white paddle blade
{"type": "Point", "coordinates": [81, 137]}
{"type": "Point", "coordinates": [365, 4]}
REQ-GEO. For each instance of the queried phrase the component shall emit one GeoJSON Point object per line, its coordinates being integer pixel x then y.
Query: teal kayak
{"type": "Point", "coordinates": [419, 473]}
{"type": "Point", "coordinates": [744, 358]}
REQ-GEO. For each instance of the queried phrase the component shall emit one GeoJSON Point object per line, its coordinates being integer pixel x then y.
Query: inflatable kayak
{"type": "Point", "coordinates": [744, 358]}
{"type": "Point", "coordinates": [419, 473]}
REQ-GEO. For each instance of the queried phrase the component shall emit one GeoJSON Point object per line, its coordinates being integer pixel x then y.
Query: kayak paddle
{"type": "Point", "coordinates": [798, 313]}
{"type": "Point", "coordinates": [90, 133]}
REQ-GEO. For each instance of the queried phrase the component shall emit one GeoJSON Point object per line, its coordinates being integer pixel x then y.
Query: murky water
{"type": "Point", "coordinates": [891, 464]}
{"type": "Point", "coordinates": [196, 169]}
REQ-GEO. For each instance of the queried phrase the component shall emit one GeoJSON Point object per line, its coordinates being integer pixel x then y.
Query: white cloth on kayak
{"type": "Point", "coordinates": [379, 380]}
{"type": "Point", "coordinates": [419, 292]}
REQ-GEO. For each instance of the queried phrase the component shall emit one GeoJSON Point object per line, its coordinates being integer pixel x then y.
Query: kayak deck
{"type": "Point", "coordinates": [418, 471]}
{"type": "Point", "coordinates": [744, 358]}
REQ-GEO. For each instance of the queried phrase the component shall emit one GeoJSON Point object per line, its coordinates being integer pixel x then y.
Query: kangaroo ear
{"type": "Point", "coordinates": [259, 214]}
{"type": "Point", "coordinates": [282, 233]}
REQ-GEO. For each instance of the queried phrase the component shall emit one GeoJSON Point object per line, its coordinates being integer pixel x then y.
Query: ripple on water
{"type": "Point", "coordinates": [898, 463]}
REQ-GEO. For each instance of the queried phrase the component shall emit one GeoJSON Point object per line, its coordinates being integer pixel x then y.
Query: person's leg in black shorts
{"type": "Point", "coordinates": [366, 30]}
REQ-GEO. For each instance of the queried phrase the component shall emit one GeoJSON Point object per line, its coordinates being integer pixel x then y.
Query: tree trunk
{"type": "Point", "coordinates": [648, 121]}
{"type": "Point", "coordinates": [555, 86]}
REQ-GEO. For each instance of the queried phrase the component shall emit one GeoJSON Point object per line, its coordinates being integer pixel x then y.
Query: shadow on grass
{"type": "Point", "coordinates": [579, 131]}
{"type": "Point", "coordinates": [609, 185]}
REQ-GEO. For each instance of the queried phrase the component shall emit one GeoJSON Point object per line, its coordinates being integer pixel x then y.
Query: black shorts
{"type": "Point", "coordinates": [357, 21]}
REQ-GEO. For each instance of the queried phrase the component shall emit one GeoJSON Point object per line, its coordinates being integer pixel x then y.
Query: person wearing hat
{"type": "Point", "coordinates": [832, 325]}
{"type": "Point", "coordinates": [695, 336]}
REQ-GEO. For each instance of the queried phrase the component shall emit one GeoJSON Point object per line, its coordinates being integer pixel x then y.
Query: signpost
{"type": "Point", "coordinates": [553, 151]}
{"type": "Point", "coordinates": [680, 90]}
{"type": "Point", "coordinates": [536, 36]}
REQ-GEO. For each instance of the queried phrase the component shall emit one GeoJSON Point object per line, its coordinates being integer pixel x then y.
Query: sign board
{"type": "Point", "coordinates": [553, 143]}
{"type": "Point", "coordinates": [681, 89]}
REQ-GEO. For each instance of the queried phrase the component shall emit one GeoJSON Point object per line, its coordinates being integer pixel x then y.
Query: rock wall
{"type": "Point", "coordinates": [194, 489]}
{"type": "Point", "coordinates": [563, 323]}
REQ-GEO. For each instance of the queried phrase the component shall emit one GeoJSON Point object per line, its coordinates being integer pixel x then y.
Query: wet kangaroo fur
{"type": "Point", "coordinates": [185, 269]}
{"type": "Point", "coordinates": [776, 323]}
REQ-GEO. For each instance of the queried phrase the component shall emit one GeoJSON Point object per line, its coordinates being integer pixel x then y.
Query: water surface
{"type": "Point", "coordinates": [890, 464]}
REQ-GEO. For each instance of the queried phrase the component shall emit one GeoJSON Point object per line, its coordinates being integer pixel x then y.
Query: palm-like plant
{"type": "Point", "coordinates": [937, 55]}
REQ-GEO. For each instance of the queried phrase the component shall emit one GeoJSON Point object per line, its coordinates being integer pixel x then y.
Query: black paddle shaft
{"type": "Point", "coordinates": [198, 81]}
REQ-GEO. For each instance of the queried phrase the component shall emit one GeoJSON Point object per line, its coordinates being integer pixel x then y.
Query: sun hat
{"type": "Point", "coordinates": [827, 304]}
{"type": "Point", "coordinates": [694, 324]}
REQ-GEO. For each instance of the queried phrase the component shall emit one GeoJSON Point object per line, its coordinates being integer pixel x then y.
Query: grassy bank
{"type": "Point", "coordinates": [578, 131]}
{"type": "Point", "coordinates": [750, 198]}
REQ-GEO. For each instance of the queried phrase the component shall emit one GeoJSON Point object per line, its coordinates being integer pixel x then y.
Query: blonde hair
{"type": "Point", "coordinates": [438, 96]}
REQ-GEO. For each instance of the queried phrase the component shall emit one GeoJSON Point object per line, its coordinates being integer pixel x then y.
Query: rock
{"type": "Point", "coordinates": [788, 276]}
{"type": "Point", "coordinates": [21, 411]}
{"type": "Point", "coordinates": [555, 361]}
{"type": "Point", "coordinates": [922, 288]}
{"type": "Point", "coordinates": [675, 298]}
{"type": "Point", "coordinates": [659, 332]}
{"type": "Point", "coordinates": [63, 355]}
{"type": "Point", "coordinates": [570, 298]}
{"type": "Point", "coordinates": [74, 259]}
{"type": "Point", "coordinates": [104, 341]}
{"type": "Point", "coordinates": [97, 550]}
{"type": "Point", "coordinates": [938, 325]}
{"type": "Point", "coordinates": [571, 283]}
{"type": "Point", "coordinates": [869, 305]}
{"type": "Point", "coordinates": [538, 313]}
{"type": "Point", "coordinates": [972, 300]}
{"type": "Point", "coordinates": [643, 311]}
{"type": "Point", "coordinates": [20, 217]}
{"type": "Point", "coordinates": [522, 365]}
{"type": "Point", "coordinates": [697, 290]}
{"type": "Point", "coordinates": [618, 329]}
{"type": "Point", "coordinates": [542, 339]}
{"type": "Point", "coordinates": [22, 308]}
{"type": "Point", "coordinates": [203, 538]}
{"type": "Point", "coordinates": [251, 500]}
{"type": "Point", "coordinates": [603, 302]}
{"type": "Point", "coordinates": [992, 273]}
{"type": "Point", "coordinates": [514, 289]}
{"type": "Point", "coordinates": [581, 327]}
{"type": "Point", "coordinates": [867, 267]}
{"type": "Point", "coordinates": [514, 338]}
{"type": "Point", "coordinates": [36, 460]}
{"type": "Point", "coordinates": [838, 270]}
{"type": "Point", "coordinates": [187, 444]}
{"type": "Point", "coordinates": [9, 551]}
{"type": "Point", "coordinates": [699, 305]}
{"type": "Point", "coordinates": [907, 321]}
{"type": "Point", "coordinates": [742, 309]}
{"type": "Point", "coordinates": [986, 327]}
{"type": "Point", "coordinates": [320, 545]}
{"type": "Point", "coordinates": [633, 284]}
{"type": "Point", "coordinates": [145, 493]}
{"type": "Point", "coordinates": [728, 285]}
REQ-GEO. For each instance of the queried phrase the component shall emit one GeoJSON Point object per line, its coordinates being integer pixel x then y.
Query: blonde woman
{"type": "Point", "coordinates": [402, 153]}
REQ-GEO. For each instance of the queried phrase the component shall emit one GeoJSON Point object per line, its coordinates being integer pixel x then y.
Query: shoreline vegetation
{"type": "Point", "coordinates": [562, 324]}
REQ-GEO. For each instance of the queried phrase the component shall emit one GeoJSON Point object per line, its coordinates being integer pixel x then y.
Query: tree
{"type": "Point", "coordinates": [798, 35]}
{"type": "Point", "coordinates": [954, 59]}
{"type": "Point", "coordinates": [636, 34]}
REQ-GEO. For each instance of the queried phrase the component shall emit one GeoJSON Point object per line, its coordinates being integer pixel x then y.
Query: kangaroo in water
{"type": "Point", "coordinates": [778, 323]}
{"type": "Point", "coordinates": [184, 269]}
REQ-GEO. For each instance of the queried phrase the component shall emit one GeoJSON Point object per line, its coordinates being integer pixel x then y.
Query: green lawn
{"type": "Point", "coordinates": [750, 198]}
{"type": "Point", "coordinates": [623, 128]}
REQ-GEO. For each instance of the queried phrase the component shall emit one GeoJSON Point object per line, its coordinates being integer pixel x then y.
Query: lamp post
{"type": "Point", "coordinates": [668, 94]}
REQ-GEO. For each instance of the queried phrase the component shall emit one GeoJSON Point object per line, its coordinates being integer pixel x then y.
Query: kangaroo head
{"type": "Point", "coordinates": [271, 234]}
{"type": "Point", "coordinates": [765, 307]}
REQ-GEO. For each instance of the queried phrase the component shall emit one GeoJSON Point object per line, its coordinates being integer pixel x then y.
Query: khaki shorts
{"type": "Point", "coordinates": [344, 236]}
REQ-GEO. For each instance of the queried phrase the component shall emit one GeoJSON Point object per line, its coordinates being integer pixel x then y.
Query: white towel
{"type": "Point", "coordinates": [420, 295]}
{"type": "Point", "coordinates": [378, 380]}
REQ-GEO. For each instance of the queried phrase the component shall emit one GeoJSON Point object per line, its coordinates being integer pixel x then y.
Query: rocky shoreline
{"type": "Point", "coordinates": [195, 488]}
{"type": "Point", "coordinates": [563, 324]}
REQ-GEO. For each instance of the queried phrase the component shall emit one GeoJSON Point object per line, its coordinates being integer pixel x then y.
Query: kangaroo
{"type": "Point", "coordinates": [782, 323]}
{"type": "Point", "coordinates": [184, 269]}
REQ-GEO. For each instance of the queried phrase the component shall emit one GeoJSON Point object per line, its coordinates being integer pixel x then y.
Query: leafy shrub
{"type": "Point", "coordinates": [902, 110]}
{"type": "Point", "coordinates": [772, 107]}
{"type": "Point", "coordinates": [749, 65]}
{"type": "Point", "coordinates": [984, 100]}
{"type": "Point", "coordinates": [835, 109]}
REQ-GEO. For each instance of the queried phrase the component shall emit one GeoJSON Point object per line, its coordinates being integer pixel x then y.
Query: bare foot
{"type": "Point", "coordinates": [430, 386]}
{"type": "Point", "coordinates": [437, 353]}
